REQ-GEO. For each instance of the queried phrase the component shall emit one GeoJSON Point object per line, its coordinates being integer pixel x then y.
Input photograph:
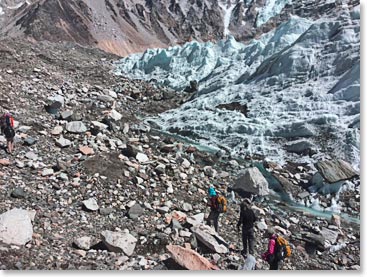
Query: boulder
{"type": "Point", "coordinates": [329, 235]}
{"type": "Point", "coordinates": [142, 158]}
{"type": "Point", "coordinates": [29, 141]}
{"type": "Point", "coordinates": [195, 220]}
{"type": "Point", "coordinates": [115, 115]}
{"type": "Point", "coordinates": [252, 181]}
{"type": "Point", "coordinates": [66, 115]}
{"type": "Point", "coordinates": [16, 227]}
{"type": "Point", "coordinates": [76, 127]}
{"type": "Point", "coordinates": [83, 242]}
{"type": "Point", "coordinates": [63, 142]}
{"type": "Point", "coordinates": [135, 211]}
{"type": "Point", "coordinates": [337, 170]}
{"type": "Point", "coordinates": [91, 204]}
{"type": "Point", "coordinates": [47, 172]}
{"type": "Point", "coordinates": [189, 259]}
{"type": "Point", "coordinates": [119, 242]}
{"type": "Point", "coordinates": [57, 130]}
{"type": "Point", "coordinates": [18, 193]}
{"type": "Point", "coordinates": [205, 234]}
{"type": "Point", "coordinates": [99, 126]}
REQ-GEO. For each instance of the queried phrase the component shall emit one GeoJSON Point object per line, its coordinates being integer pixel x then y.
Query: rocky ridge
{"type": "Point", "coordinates": [105, 191]}
{"type": "Point", "coordinates": [125, 27]}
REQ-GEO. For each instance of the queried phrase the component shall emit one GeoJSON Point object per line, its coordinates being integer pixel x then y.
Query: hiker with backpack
{"type": "Point", "coordinates": [218, 205]}
{"type": "Point", "coordinates": [278, 250]}
{"type": "Point", "coordinates": [247, 220]}
{"type": "Point", "coordinates": [7, 128]}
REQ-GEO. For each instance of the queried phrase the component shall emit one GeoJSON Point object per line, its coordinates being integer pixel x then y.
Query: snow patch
{"type": "Point", "coordinates": [228, 8]}
{"type": "Point", "coordinates": [269, 10]}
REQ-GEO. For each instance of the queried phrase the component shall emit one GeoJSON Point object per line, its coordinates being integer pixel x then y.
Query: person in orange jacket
{"type": "Point", "coordinates": [214, 208]}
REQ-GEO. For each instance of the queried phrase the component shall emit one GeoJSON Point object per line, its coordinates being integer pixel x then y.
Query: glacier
{"type": "Point", "coordinates": [300, 83]}
{"type": "Point", "coordinates": [270, 9]}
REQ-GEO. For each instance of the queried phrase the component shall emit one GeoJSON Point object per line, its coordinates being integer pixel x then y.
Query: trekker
{"type": "Point", "coordinates": [269, 255]}
{"type": "Point", "coordinates": [7, 128]}
{"type": "Point", "coordinates": [214, 208]}
{"type": "Point", "coordinates": [247, 219]}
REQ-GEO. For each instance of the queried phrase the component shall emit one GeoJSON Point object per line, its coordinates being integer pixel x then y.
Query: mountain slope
{"type": "Point", "coordinates": [124, 27]}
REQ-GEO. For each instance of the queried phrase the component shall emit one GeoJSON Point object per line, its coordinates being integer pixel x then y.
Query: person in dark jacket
{"type": "Point", "coordinates": [214, 209]}
{"type": "Point", "coordinates": [247, 219]}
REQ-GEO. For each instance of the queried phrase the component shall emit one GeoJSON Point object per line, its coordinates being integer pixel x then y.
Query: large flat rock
{"type": "Point", "coordinates": [189, 259]}
{"type": "Point", "coordinates": [16, 227]}
{"type": "Point", "coordinates": [119, 242]}
{"type": "Point", "coordinates": [336, 170]}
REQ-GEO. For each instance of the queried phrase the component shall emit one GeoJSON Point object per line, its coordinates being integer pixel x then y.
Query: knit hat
{"type": "Point", "coordinates": [212, 192]}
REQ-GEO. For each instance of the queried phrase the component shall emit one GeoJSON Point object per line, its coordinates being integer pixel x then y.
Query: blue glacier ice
{"type": "Point", "coordinates": [301, 81]}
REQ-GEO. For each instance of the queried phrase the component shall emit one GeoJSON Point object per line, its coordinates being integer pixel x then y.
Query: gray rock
{"type": "Point", "coordinates": [251, 180]}
{"type": "Point", "coordinates": [175, 224]}
{"type": "Point", "coordinates": [18, 193]}
{"type": "Point", "coordinates": [187, 207]}
{"type": "Point", "coordinates": [160, 169]}
{"type": "Point", "coordinates": [83, 242]}
{"type": "Point", "coordinates": [329, 235]}
{"type": "Point", "coordinates": [209, 171]}
{"type": "Point", "coordinates": [47, 172]}
{"type": "Point", "coordinates": [66, 115]}
{"type": "Point", "coordinates": [106, 211]}
{"type": "Point", "coordinates": [99, 125]}
{"type": "Point", "coordinates": [31, 156]}
{"type": "Point", "coordinates": [119, 242]}
{"type": "Point", "coordinates": [115, 115]}
{"type": "Point", "coordinates": [195, 219]}
{"type": "Point", "coordinates": [204, 234]}
{"type": "Point", "coordinates": [63, 142]}
{"type": "Point", "coordinates": [334, 171]}
{"type": "Point", "coordinates": [185, 164]}
{"type": "Point", "coordinates": [135, 211]}
{"type": "Point", "coordinates": [57, 130]}
{"type": "Point", "coordinates": [142, 158]}
{"type": "Point", "coordinates": [91, 204]}
{"type": "Point", "coordinates": [105, 98]}
{"type": "Point", "coordinates": [29, 141]}
{"type": "Point", "coordinates": [76, 127]}
{"type": "Point", "coordinates": [16, 227]}
{"type": "Point", "coordinates": [163, 209]}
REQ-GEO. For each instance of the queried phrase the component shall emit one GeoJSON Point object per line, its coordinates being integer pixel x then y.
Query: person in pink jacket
{"type": "Point", "coordinates": [269, 255]}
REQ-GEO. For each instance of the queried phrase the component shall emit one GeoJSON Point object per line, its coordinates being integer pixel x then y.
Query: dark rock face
{"type": "Point", "coordinates": [235, 106]}
{"type": "Point", "coordinates": [70, 21]}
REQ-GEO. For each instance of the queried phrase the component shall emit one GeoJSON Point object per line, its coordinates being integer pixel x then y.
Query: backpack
{"type": "Point", "coordinates": [8, 120]}
{"type": "Point", "coordinates": [222, 204]}
{"type": "Point", "coordinates": [282, 248]}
